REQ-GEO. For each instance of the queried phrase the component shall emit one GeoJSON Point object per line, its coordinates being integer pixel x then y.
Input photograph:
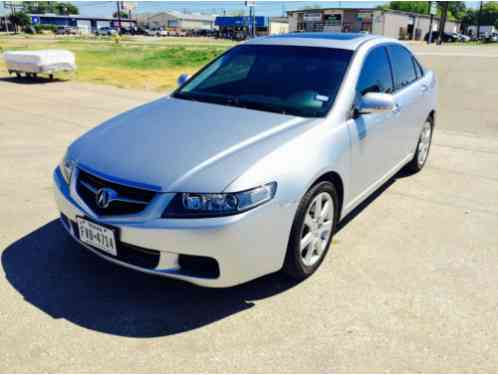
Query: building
{"type": "Point", "coordinates": [390, 23]}
{"type": "Point", "coordinates": [84, 24]}
{"type": "Point", "coordinates": [483, 30]}
{"type": "Point", "coordinates": [231, 25]}
{"type": "Point", "coordinates": [177, 20]}
{"type": "Point", "coordinates": [278, 25]}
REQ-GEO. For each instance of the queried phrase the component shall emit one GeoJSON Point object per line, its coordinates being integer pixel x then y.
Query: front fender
{"type": "Point", "coordinates": [298, 164]}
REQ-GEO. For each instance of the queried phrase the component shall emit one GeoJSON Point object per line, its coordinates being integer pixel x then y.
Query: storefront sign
{"type": "Point", "coordinates": [312, 17]}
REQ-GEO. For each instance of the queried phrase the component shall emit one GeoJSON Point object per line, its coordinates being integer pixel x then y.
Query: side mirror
{"type": "Point", "coordinates": [376, 102]}
{"type": "Point", "coordinates": [182, 79]}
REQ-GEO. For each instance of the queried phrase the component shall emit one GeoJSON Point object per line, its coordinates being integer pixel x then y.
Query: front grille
{"type": "Point", "coordinates": [128, 201]}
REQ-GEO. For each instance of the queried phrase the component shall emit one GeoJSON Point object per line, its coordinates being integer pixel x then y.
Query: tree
{"type": "Point", "coordinates": [314, 6]}
{"type": "Point", "coordinates": [66, 8]}
{"type": "Point", "coordinates": [489, 14]}
{"type": "Point", "coordinates": [41, 7]}
{"type": "Point", "coordinates": [456, 9]}
{"type": "Point", "coordinates": [121, 13]}
{"type": "Point", "coordinates": [409, 6]}
{"type": "Point", "coordinates": [469, 18]}
{"type": "Point", "coordinates": [20, 19]}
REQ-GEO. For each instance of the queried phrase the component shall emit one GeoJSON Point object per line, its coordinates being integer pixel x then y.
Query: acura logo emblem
{"type": "Point", "coordinates": [104, 197]}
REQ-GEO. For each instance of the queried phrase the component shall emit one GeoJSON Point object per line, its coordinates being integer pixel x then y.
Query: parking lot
{"type": "Point", "coordinates": [410, 284]}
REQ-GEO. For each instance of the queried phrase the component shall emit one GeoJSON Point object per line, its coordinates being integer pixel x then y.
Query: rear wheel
{"type": "Point", "coordinates": [423, 147]}
{"type": "Point", "coordinates": [312, 231]}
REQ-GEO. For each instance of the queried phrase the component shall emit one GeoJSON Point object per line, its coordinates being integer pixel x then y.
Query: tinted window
{"type": "Point", "coordinates": [403, 69]}
{"type": "Point", "coordinates": [376, 73]}
{"type": "Point", "coordinates": [301, 81]}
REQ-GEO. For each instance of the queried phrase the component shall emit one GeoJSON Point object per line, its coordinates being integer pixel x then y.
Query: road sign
{"type": "Point", "coordinates": [433, 9]}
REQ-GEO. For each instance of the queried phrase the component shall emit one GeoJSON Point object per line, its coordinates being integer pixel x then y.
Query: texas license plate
{"type": "Point", "coordinates": [97, 236]}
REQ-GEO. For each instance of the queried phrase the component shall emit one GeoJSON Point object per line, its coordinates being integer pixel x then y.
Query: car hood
{"type": "Point", "coordinates": [178, 145]}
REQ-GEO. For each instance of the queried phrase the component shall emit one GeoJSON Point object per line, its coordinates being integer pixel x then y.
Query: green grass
{"type": "Point", "coordinates": [144, 63]}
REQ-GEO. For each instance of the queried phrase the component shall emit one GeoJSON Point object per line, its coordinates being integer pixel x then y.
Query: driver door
{"type": "Point", "coordinates": [374, 135]}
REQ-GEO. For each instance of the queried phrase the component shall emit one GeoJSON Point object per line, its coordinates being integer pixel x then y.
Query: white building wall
{"type": "Point", "coordinates": [451, 27]}
{"type": "Point", "coordinates": [196, 25]}
{"type": "Point", "coordinates": [278, 27]}
{"type": "Point", "coordinates": [378, 23]}
{"type": "Point", "coordinates": [393, 23]}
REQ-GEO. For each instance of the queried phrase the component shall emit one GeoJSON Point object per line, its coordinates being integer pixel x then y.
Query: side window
{"type": "Point", "coordinates": [375, 75]}
{"type": "Point", "coordinates": [403, 68]}
{"type": "Point", "coordinates": [418, 68]}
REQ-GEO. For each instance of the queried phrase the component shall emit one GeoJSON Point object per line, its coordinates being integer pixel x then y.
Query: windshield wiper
{"type": "Point", "coordinates": [208, 97]}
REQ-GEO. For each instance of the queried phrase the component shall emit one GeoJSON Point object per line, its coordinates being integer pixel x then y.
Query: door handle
{"type": "Point", "coordinates": [425, 88]}
{"type": "Point", "coordinates": [396, 109]}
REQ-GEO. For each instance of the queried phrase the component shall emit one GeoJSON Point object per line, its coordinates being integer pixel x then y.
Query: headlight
{"type": "Point", "coordinates": [194, 205]}
{"type": "Point", "coordinates": [66, 167]}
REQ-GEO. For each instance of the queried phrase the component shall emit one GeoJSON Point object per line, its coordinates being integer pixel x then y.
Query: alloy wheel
{"type": "Point", "coordinates": [424, 143]}
{"type": "Point", "coordinates": [316, 229]}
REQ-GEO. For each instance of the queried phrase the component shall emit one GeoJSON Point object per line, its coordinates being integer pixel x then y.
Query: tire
{"type": "Point", "coordinates": [301, 261]}
{"type": "Point", "coordinates": [423, 147]}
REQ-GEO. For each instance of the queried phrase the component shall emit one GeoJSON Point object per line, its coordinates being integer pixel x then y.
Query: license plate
{"type": "Point", "coordinates": [97, 236]}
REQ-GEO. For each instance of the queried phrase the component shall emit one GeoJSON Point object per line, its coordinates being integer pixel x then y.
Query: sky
{"type": "Point", "coordinates": [263, 8]}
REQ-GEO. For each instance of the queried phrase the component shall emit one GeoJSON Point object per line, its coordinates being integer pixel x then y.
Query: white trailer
{"type": "Point", "coordinates": [32, 63]}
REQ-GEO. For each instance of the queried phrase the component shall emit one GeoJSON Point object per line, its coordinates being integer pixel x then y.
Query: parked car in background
{"type": "Point", "coordinates": [150, 32]}
{"type": "Point", "coordinates": [106, 31]}
{"type": "Point", "coordinates": [178, 33]}
{"type": "Point", "coordinates": [67, 30]}
{"type": "Point", "coordinates": [131, 31]}
{"type": "Point", "coordinates": [491, 38]}
{"type": "Point", "coordinates": [461, 37]}
{"type": "Point", "coordinates": [248, 167]}
{"type": "Point", "coordinates": [447, 37]}
{"type": "Point", "coordinates": [162, 33]}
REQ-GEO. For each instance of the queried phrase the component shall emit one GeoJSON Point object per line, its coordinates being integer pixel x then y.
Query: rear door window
{"type": "Point", "coordinates": [403, 66]}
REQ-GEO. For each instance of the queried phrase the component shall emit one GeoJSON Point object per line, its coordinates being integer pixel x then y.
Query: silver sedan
{"type": "Point", "coordinates": [247, 168]}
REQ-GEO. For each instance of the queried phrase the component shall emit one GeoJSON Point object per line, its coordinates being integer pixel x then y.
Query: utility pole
{"type": "Point", "coordinates": [442, 22]}
{"type": "Point", "coordinates": [254, 19]}
{"type": "Point", "coordinates": [119, 16]}
{"type": "Point", "coordinates": [479, 20]}
{"type": "Point", "coordinates": [432, 5]}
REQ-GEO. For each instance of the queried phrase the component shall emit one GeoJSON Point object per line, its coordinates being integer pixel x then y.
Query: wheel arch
{"type": "Point", "coordinates": [336, 179]}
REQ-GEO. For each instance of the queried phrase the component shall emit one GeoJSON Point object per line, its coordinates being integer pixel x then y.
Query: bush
{"type": "Point", "coordinates": [40, 28]}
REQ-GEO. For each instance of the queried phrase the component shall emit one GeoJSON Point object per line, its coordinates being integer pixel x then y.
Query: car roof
{"type": "Point", "coordinates": [350, 41]}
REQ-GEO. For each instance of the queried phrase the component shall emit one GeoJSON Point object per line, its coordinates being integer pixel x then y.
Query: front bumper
{"type": "Point", "coordinates": [244, 246]}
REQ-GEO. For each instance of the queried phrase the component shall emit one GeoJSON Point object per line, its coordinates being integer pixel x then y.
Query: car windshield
{"type": "Point", "coordinates": [301, 81]}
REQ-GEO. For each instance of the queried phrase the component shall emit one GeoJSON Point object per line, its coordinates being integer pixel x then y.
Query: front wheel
{"type": "Point", "coordinates": [312, 231]}
{"type": "Point", "coordinates": [423, 147]}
